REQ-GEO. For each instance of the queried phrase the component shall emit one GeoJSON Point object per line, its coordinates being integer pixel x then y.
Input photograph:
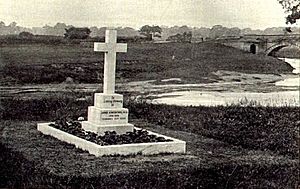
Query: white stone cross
{"type": "Point", "coordinates": [110, 47]}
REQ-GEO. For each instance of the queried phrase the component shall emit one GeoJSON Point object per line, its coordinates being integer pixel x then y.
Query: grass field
{"type": "Point", "coordinates": [227, 147]}
{"type": "Point", "coordinates": [193, 63]}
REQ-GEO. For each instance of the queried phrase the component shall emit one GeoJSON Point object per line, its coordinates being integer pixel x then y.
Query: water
{"type": "Point", "coordinates": [278, 98]}
{"type": "Point", "coordinates": [294, 62]}
{"type": "Point", "coordinates": [292, 81]}
{"type": "Point", "coordinates": [197, 98]}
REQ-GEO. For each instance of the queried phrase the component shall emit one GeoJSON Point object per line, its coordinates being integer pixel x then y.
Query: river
{"type": "Point", "coordinates": [288, 95]}
{"type": "Point", "coordinates": [292, 81]}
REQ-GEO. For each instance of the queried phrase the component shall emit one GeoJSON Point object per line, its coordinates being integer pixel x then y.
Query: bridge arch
{"type": "Point", "coordinates": [271, 50]}
{"type": "Point", "coordinates": [277, 47]}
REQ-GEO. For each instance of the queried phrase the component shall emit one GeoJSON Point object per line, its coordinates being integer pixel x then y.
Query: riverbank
{"type": "Point", "coordinates": [192, 63]}
{"type": "Point", "coordinates": [228, 81]}
{"type": "Point", "coordinates": [147, 69]}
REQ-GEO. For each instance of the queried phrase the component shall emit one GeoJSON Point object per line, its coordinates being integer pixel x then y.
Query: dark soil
{"type": "Point", "coordinates": [110, 137]}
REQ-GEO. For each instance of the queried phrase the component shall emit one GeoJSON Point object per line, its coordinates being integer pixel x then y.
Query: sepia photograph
{"type": "Point", "coordinates": [167, 94]}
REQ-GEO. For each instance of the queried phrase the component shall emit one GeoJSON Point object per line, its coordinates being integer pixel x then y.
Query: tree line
{"type": "Point", "coordinates": [182, 33]}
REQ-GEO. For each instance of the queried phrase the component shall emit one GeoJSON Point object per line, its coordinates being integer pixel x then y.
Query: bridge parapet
{"type": "Point", "coordinates": [264, 44]}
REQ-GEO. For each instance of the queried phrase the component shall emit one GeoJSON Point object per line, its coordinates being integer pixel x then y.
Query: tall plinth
{"type": "Point", "coordinates": [107, 114]}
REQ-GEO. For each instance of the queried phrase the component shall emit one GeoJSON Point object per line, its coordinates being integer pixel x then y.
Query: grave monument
{"type": "Point", "coordinates": [108, 114]}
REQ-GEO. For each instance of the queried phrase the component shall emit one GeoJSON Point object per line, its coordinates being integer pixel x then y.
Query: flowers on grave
{"type": "Point", "coordinates": [109, 137]}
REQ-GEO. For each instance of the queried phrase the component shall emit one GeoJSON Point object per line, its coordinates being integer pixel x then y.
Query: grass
{"type": "Point", "coordinates": [32, 160]}
{"type": "Point", "coordinates": [227, 147]}
{"type": "Point", "coordinates": [254, 128]}
{"type": "Point", "coordinates": [37, 63]}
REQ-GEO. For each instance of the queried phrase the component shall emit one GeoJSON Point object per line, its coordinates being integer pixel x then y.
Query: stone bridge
{"type": "Point", "coordinates": [262, 44]}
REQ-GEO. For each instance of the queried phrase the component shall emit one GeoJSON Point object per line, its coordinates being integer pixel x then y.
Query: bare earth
{"type": "Point", "coordinates": [229, 81]}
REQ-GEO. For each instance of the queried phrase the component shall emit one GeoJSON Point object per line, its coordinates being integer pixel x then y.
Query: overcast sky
{"type": "Point", "coordinates": [135, 13]}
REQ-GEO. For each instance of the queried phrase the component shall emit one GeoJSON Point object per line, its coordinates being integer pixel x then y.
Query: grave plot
{"type": "Point", "coordinates": [160, 144]}
{"type": "Point", "coordinates": [108, 116]}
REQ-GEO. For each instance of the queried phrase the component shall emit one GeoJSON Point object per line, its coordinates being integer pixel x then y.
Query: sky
{"type": "Point", "coordinates": [256, 14]}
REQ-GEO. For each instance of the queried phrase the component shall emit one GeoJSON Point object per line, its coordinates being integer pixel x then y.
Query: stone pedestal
{"type": "Point", "coordinates": [107, 114]}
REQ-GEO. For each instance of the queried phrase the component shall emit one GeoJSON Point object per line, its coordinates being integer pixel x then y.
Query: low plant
{"type": "Point", "coordinates": [110, 137]}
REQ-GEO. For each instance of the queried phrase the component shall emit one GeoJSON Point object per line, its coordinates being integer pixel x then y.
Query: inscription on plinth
{"type": "Point", "coordinates": [107, 116]}
{"type": "Point", "coordinates": [114, 115]}
{"type": "Point", "coordinates": [108, 100]}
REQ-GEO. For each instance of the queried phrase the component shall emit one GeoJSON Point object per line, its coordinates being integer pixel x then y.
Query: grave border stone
{"type": "Point", "coordinates": [174, 146]}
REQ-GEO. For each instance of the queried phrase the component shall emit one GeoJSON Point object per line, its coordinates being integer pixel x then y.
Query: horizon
{"type": "Point", "coordinates": [254, 14]}
{"type": "Point", "coordinates": [162, 26]}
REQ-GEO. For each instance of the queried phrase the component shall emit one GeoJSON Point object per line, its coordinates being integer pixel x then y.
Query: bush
{"type": "Point", "coordinates": [49, 108]}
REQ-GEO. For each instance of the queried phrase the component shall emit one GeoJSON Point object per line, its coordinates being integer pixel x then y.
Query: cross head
{"type": "Point", "coordinates": [110, 48]}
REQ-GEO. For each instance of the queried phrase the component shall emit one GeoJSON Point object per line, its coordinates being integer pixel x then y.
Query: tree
{"type": "Point", "coordinates": [150, 31]}
{"type": "Point", "coordinates": [25, 34]}
{"type": "Point", "coordinates": [2, 24]}
{"type": "Point", "coordinates": [217, 31]}
{"type": "Point", "coordinates": [59, 29]}
{"type": "Point", "coordinates": [13, 28]}
{"type": "Point", "coordinates": [292, 8]}
{"type": "Point", "coordinates": [13, 25]}
{"type": "Point", "coordinates": [186, 37]}
{"type": "Point", "coordinates": [77, 33]}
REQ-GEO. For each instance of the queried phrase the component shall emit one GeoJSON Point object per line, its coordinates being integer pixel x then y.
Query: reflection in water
{"type": "Point", "coordinates": [197, 98]}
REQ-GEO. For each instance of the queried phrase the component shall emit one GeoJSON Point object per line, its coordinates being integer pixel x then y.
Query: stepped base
{"type": "Point", "coordinates": [100, 129]}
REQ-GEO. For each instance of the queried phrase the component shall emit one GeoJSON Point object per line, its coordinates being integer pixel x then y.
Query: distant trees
{"type": "Point", "coordinates": [25, 34]}
{"type": "Point", "coordinates": [186, 37]}
{"type": "Point", "coordinates": [292, 8]}
{"type": "Point", "coordinates": [57, 30]}
{"type": "Point", "coordinates": [219, 31]}
{"type": "Point", "coordinates": [2, 24]}
{"type": "Point", "coordinates": [77, 33]}
{"type": "Point", "coordinates": [150, 31]}
{"type": "Point", "coordinates": [12, 28]}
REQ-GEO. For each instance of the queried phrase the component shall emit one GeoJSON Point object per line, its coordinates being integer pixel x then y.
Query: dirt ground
{"type": "Point", "coordinates": [227, 81]}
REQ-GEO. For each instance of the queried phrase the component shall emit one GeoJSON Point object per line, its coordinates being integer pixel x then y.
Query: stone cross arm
{"type": "Point", "coordinates": [110, 47]}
